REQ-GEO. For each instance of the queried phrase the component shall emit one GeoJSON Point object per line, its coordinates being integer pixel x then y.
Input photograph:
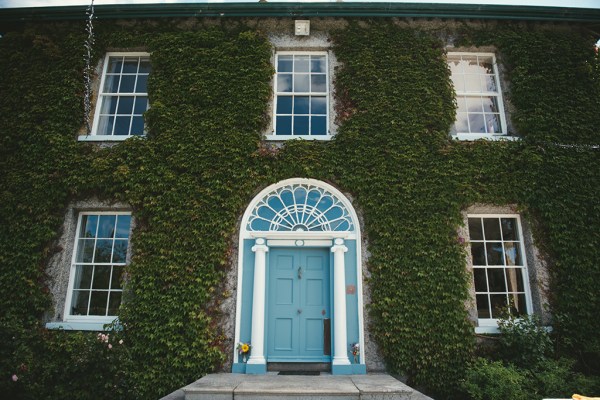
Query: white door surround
{"type": "Point", "coordinates": [300, 213]}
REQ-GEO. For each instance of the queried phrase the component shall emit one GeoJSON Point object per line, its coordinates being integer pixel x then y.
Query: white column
{"type": "Point", "coordinates": [340, 347]}
{"type": "Point", "coordinates": [257, 355]}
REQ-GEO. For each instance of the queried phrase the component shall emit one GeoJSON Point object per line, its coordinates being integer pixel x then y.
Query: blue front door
{"type": "Point", "coordinates": [298, 305]}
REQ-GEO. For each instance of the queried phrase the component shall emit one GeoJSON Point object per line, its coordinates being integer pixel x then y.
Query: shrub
{"type": "Point", "coordinates": [492, 380]}
{"type": "Point", "coordinates": [524, 342]}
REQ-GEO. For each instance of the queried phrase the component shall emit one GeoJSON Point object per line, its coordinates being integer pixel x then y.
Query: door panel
{"type": "Point", "coordinates": [298, 303]}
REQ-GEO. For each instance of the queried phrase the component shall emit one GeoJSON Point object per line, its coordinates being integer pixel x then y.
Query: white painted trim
{"type": "Point", "coordinates": [78, 326]}
{"type": "Point", "coordinates": [99, 97]}
{"type": "Point", "coordinates": [327, 95]}
{"type": "Point", "coordinates": [302, 137]}
{"type": "Point", "coordinates": [244, 234]}
{"type": "Point", "coordinates": [106, 138]}
{"type": "Point", "coordinates": [487, 325]}
{"type": "Point", "coordinates": [299, 243]}
{"type": "Point", "coordinates": [498, 94]}
{"type": "Point", "coordinates": [93, 319]}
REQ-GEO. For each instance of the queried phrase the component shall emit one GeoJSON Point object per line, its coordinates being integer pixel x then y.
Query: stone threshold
{"type": "Point", "coordinates": [226, 386]}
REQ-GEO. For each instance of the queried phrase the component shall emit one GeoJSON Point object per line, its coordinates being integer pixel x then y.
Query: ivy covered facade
{"type": "Point", "coordinates": [434, 170]}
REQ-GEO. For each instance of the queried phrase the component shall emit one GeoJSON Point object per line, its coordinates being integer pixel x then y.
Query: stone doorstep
{"type": "Point", "coordinates": [226, 386]}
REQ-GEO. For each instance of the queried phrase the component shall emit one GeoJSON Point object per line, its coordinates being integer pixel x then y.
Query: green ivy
{"type": "Point", "coordinates": [189, 181]}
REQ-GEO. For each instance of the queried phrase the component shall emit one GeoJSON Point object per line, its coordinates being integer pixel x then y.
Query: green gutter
{"type": "Point", "coordinates": [298, 10]}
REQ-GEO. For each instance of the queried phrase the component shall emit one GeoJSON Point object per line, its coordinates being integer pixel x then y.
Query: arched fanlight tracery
{"type": "Point", "coordinates": [300, 207]}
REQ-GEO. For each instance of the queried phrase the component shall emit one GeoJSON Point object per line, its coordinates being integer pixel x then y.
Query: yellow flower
{"type": "Point", "coordinates": [245, 348]}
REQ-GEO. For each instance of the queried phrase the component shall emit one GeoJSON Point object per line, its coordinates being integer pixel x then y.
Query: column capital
{"type": "Point", "coordinates": [260, 245]}
{"type": "Point", "coordinates": [338, 246]}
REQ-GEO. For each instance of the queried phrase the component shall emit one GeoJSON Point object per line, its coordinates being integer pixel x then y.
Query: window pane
{"type": "Point", "coordinates": [105, 125]}
{"type": "Point", "coordinates": [88, 226]}
{"type": "Point", "coordinates": [491, 227]}
{"type": "Point", "coordinates": [79, 302]}
{"type": "Point", "coordinates": [85, 250]}
{"type": "Point", "coordinates": [474, 104]}
{"type": "Point", "coordinates": [480, 280]}
{"type": "Point", "coordinates": [122, 126]}
{"type": "Point", "coordinates": [130, 66]}
{"type": "Point", "coordinates": [493, 123]}
{"type": "Point", "coordinates": [114, 303]}
{"type": "Point", "coordinates": [513, 253]}
{"type": "Point", "coordinates": [285, 64]}
{"type": "Point", "coordinates": [509, 229]}
{"type": "Point", "coordinates": [478, 253]}
{"type": "Point", "coordinates": [496, 279]}
{"type": "Point", "coordinates": [462, 122]}
{"type": "Point", "coordinates": [514, 279]}
{"type": "Point", "coordinates": [120, 251]}
{"type": "Point", "coordinates": [490, 104]}
{"type": "Point", "coordinates": [101, 276]}
{"type": "Point", "coordinates": [117, 274]}
{"type": "Point", "coordinates": [476, 123]}
{"type": "Point", "coordinates": [141, 105]}
{"type": "Point", "coordinates": [499, 304]}
{"type": "Point", "coordinates": [137, 126]}
{"type": "Point", "coordinates": [301, 104]}
{"type": "Point", "coordinates": [475, 230]}
{"type": "Point", "coordinates": [284, 126]}
{"type": "Point", "coordinates": [106, 228]}
{"type": "Point", "coordinates": [461, 104]}
{"type": "Point", "coordinates": [103, 250]}
{"type": "Point", "coordinates": [317, 64]}
{"type": "Point", "coordinates": [109, 104]}
{"type": "Point", "coordinates": [98, 303]}
{"type": "Point", "coordinates": [284, 104]}
{"type": "Point", "coordinates": [284, 82]}
{"type": "Point", "coordinates": [485, 62]}
{"type": "Point", "coordinates": [83, 277]}
{"type": "Point", "coordinates": [318, 126]}
{"type": "Point", "coordinates": [518, 304]}
{"type": "Point", "coordinates": [144, 65]}
{"type": "Point", "coordinates": [472, 83]}
{"type": "Point", "coordinates": [300, 125]}
{"type": "Point", "coordinates": [111, 83]}
{"type": "Point", "coordinates": [127, 84]}
{"type": "Point", "coordinates": [318, 83]}
{"type": "Point", "coordinates": [318, 105]}
{"type": "Point", "coordinates": [125, 105]}
{"type": "Point", "coordinates": [494, 253]}
{"type": "Point", "coordinates": [301, 83]}
{"type": "Point", "coordinates": [142, 84]}
{"type": "Point", "coordinates": [483, 306]}
{"type": "Point", "coordinates": [489, 83]}
{"type": "Point", "coordinates": [115, 64]}
{"type": "Point", "coordinates": [459, 83]}
{"type": "Point", "coordinates": [123, 225]}
{"type": "Point", "coordinates": [301, 63]}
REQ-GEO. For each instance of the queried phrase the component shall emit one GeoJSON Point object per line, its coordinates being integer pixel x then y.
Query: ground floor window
{"type": "Point", "coordinates": [499, 266]}
{"type": "Point", "coordinates": [99, 257]}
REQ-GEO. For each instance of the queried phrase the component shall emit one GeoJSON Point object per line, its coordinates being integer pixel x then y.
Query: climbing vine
{"type": "Point", "coordinates": [190, 179]}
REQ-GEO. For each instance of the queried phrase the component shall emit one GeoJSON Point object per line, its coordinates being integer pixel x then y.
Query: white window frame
{"type": "Point", "coordinates": [327, 96]}
{"type": "Point", "coordinates": [101, 95]}
{"type": "Point", "coordinates": [490, 325]}
{"type": "Point", "coordinates": [503, 135]}
{"type": "Point", "coordinates": [86, 322]}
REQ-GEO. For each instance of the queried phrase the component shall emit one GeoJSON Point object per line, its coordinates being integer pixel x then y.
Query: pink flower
{"type": "Point", "coordinates": [15, 378]}
{"type": "Point", "coordinates": [110, 346]}
{"type": "Point", "coordinates": [121, 341]}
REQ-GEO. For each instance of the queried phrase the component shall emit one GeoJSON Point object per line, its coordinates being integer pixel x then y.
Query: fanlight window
{"type": "Point", "coordinates": [300, 207]}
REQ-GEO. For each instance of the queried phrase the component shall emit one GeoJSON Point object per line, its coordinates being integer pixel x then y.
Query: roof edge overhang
{"type": "Point", "coordinates": [303, 9]}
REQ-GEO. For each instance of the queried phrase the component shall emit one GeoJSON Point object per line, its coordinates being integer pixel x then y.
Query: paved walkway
{"type": "Point", "coordinates": [297, 387]}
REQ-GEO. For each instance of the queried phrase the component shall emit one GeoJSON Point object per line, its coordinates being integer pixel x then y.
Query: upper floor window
{"type": "Point", "coordinates": [122, 98]}
{"type": "Point", "coordinates": [480, 111]}
{"type": "Point", "coordinates": [99, 258]}
{"type": "Point", "coordinates": [499, 267]}
{"type": "Point", "coordinates": [301, 96]}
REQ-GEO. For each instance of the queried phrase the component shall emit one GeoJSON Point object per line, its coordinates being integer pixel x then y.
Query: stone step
{"type": "Point", "coordinates": [293, 387]}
